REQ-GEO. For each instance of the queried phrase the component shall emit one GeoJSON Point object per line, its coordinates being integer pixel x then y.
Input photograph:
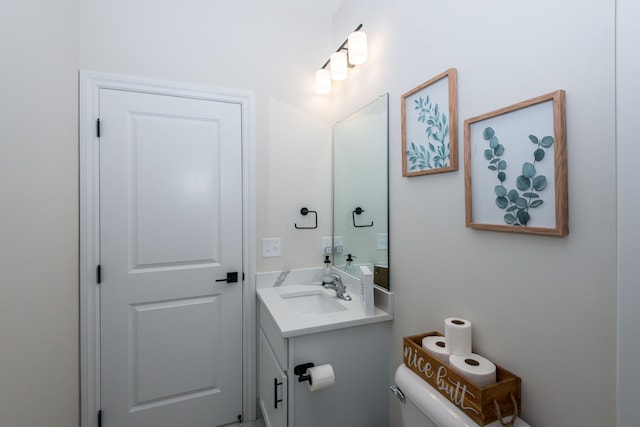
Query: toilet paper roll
{"type": "Point", "coordinates": [437, 347]}
{"type": "Point", "coordinates": [476, 368]}
{"type": "Point", "coordinates": [457, 333]}
{"type": "Point", "coordinates": [321, 377]}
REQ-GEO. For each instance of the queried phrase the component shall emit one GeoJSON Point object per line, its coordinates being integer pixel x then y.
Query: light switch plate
{"type": "Point", "coordinates": [326, 246]}
{"type": "Point", "coordinates": [271, 247]}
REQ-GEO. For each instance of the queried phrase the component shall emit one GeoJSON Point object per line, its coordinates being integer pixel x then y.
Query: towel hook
{"type": "Point", "coordinates": [358, 211]}
{"type": "Point", "coordinates": [304, 212]}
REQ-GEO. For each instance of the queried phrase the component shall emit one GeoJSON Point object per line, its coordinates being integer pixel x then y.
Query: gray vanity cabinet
{"type": "Point", "coordinates": [359, 356]}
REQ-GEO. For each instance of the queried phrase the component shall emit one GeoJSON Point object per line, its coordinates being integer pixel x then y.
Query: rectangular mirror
{"type": "Point", "coordinates": [360, 191]}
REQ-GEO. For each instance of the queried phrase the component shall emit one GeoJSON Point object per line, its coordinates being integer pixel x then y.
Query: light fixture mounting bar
{"type": "Point", "coordinates": [342, 47]}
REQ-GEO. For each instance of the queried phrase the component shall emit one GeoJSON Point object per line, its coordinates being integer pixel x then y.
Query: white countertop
{"type": "Point", "coordinates": [292, 323]}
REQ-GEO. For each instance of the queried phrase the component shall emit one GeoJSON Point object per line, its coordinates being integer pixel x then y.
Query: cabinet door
{"type": "Point", "coordinates": [273, 386]}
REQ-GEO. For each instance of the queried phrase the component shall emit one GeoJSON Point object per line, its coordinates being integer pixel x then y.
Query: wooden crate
{"type": "Point", "coordinates": [476, 402]}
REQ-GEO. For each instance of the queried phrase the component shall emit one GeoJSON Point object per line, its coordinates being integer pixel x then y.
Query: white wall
{"type": "Point", "coordinates": [39, 214]}
{"type": "Point", "coordinates": [628, 92]}
{"type": "Point", "coordinates": [542, 307]}
{"type": "Point", "coordinates": [269, 48]}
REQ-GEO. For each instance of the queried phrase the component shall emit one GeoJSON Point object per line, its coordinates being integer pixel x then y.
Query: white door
{"type": "Point", "coordinates": [170, 231]}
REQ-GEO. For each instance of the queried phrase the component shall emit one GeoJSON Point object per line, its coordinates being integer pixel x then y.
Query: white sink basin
{"type": "Point", "coordinates": [312, 302]}
{"type": "Point", "coordinates": [300, 309]}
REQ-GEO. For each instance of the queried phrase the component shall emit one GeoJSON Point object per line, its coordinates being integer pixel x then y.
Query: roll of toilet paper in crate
{"type": "Point", "coordinates": [321, 377]}
{"type": "Point", "coordinates": [437, 347]}
{"type": "Point", "coordinates": [457, 334]}
{"type": "Point", "coordinates": [476, 368]}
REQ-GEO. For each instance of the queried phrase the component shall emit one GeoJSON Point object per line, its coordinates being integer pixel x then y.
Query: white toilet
{"type": "Point", "coordinates": [425, 407]}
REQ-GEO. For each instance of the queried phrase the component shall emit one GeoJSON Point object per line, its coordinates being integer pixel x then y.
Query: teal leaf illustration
{"type": "Point", "coordinates": [488, 133]}
{"type": "Point", "coordinates": [547, 141]}
{"type": "Point", "coordinates": [528, 170]}
{"type": "Point", "coordinates": [523, 217]}
{"type": "Point", "coordinates": [510, 219]}
{"type": "Point", "coordinates": [523, 183]}
{"type": "Point", "coordinates": [517, 207]}
{"type": "Point", "coordinates": [540, 182]}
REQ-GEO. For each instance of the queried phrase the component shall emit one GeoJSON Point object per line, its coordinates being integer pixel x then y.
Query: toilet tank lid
{"type": "Point", "coordinates": [434, 405]}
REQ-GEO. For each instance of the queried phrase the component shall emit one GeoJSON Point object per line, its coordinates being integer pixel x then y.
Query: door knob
{"type": "Point", "coordinates": [231, 278]}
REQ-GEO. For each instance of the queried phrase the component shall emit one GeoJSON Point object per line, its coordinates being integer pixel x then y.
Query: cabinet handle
{"type": "Point", "coordinates": [275, 393]}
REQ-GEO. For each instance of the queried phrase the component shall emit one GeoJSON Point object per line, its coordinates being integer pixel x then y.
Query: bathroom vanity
{"type": "Point", "coordinates": [301, 324]}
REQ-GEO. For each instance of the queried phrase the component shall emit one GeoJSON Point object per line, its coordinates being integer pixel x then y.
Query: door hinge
{"type": "Point", "coordinates": [98, 128]}
{"type": "Point", "coordinates": [100, 418]}
{"type": "Point", "coordinates": [99, 273]}
{"type": "Point", "coordinates": [240, 418]}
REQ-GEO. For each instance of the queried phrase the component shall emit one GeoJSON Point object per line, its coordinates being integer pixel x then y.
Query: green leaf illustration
{"type": "Point", "coordinates": [534, 139]}
{"type": "Point", "coordinates": [502, 202]}
{"type": "Point", "coordinates": [502, 176]}
{"type": "Point", "coordinates": [510, 219]}
{"type": "Point", "coordinates": [500, 190]}
{"type": "Point", "coordinates": [536, 203]}
{"type": "Point", "coordinates": [538, 155]}
{"type": "Point", "coordinates": [498, 150]}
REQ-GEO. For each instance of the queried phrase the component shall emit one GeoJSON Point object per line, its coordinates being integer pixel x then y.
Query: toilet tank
{"type": "Point", "coordinates": [425, 406]}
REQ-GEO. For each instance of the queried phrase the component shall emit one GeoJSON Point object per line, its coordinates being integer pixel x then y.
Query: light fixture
{"type": "Point", "coordinates": [351, 52]}
{"type": "Point", "coordinates": [357, 48]}
{"type": "Point", "coordinates": [338, 66]}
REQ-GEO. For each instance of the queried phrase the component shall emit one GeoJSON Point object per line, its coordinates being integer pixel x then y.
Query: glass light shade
{"type": "Point", "coordinates": [323, 81]}
{"type": "Point", "coordinates": [338, 65]}
{"type": "Point", "coordinates": [358, 52]}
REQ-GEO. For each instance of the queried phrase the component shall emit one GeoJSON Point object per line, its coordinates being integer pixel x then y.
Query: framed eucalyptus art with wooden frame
{"type": "Point", "coordinates": [515, 163]}
{"type": "Point", "coordinates": [430, 126]}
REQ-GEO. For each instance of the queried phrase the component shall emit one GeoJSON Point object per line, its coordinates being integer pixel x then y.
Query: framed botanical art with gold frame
{"type": "Point", "coordinates": [515, 163]}
{"type": "Point", "coordinates": [430, 126]}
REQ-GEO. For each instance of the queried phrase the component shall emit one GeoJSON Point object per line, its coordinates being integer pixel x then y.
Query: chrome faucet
{"type": "Point", "coordinates": [334, 281]}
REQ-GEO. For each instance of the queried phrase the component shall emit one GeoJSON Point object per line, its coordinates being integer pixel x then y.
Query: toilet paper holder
{"type": "Point", "coordinates": [301, 372]}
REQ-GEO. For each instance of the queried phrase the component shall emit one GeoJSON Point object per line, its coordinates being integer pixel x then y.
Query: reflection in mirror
{"type": "Point", "coordinates": [360, 191]}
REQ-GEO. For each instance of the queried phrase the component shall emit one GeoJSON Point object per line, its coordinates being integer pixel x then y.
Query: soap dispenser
{"type": "Point", "coordinates": [349, 265]}
{"type": "Point", "coordinates": [327, 266]}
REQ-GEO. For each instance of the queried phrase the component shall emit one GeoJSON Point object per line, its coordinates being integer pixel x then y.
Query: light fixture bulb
{"type": "Point", "coordinates": [338, 65]}
{"type": "Point", "coordinates": [323, 81]}
{"type": "Point", "coordinates": [358, 53]}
